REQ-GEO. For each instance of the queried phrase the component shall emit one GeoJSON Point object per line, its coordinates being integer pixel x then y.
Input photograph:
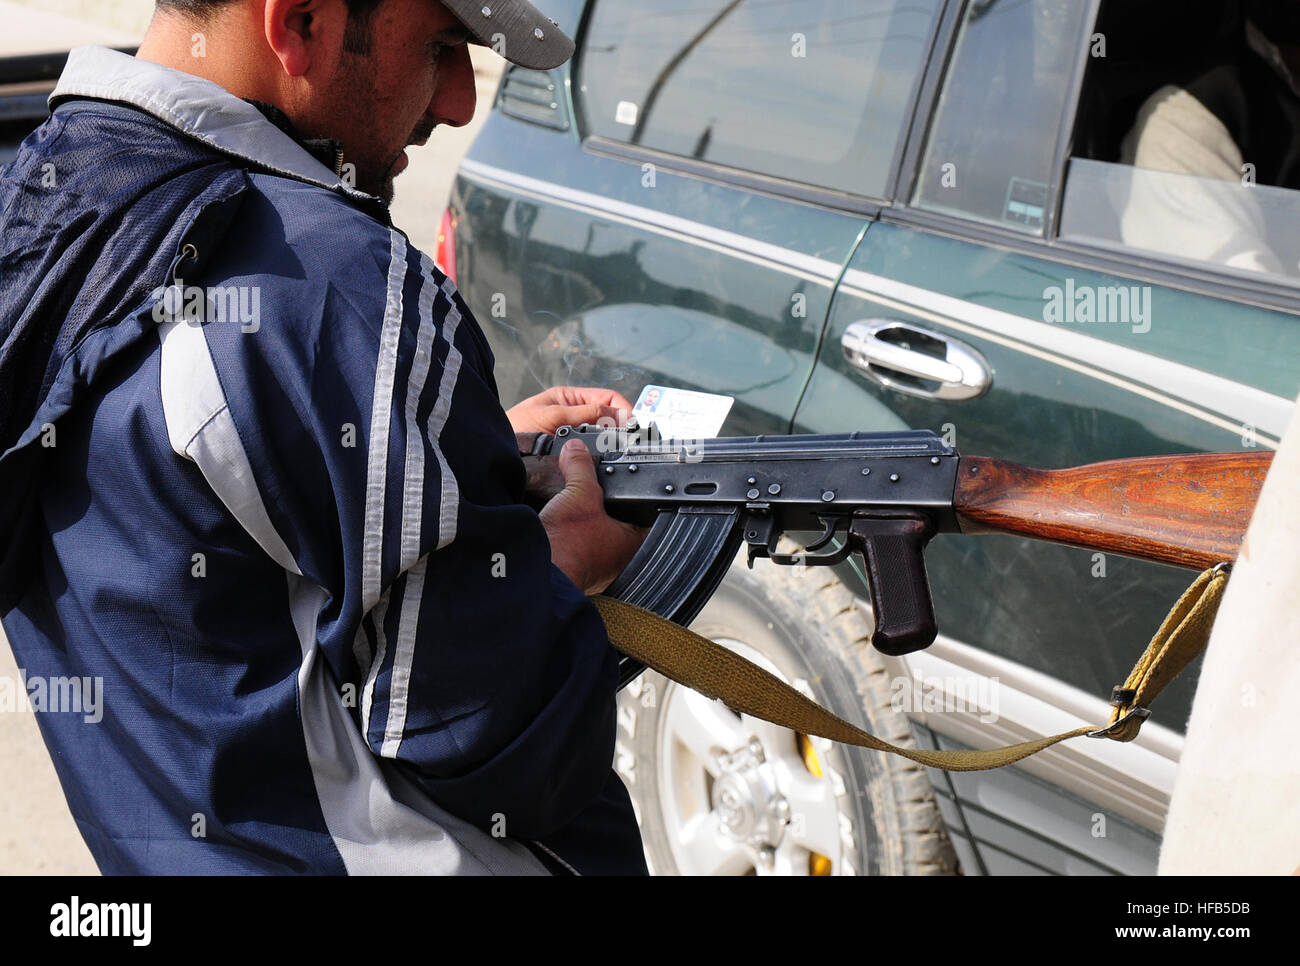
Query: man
{"type": "Point", "coordinates": [257, 484]}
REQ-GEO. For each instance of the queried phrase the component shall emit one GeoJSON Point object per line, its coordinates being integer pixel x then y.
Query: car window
{"type": "Point", "coordinates": [1193, 153]}
{"type": "Point", "coordinates": [815, 91]}
{"type": "Point", "coordinates": [993, 139]}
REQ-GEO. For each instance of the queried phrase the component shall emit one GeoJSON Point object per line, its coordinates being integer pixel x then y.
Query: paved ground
{"type": "Point", "coordinates": [37, 835]}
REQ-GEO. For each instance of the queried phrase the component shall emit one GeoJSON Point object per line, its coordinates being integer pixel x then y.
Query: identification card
{"type": "Point", "coordinates": [682, 413]}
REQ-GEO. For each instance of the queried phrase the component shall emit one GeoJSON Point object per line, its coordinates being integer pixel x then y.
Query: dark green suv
{"type": "Point", "coordinates": [884, 214]}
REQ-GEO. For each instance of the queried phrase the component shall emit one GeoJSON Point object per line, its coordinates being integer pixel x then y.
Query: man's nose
{"type": "Point", "coordinates": [455, 96]}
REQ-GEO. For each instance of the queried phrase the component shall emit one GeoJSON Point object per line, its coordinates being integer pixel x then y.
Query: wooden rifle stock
{"type": "Point", "coordinates": [1191, 511]}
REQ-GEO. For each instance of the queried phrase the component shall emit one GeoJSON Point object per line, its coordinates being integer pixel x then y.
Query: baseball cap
{"type": "Point", "coordinates": [515, 29]}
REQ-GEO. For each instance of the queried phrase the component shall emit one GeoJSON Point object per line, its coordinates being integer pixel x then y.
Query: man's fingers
{"type": "Point", "coordinates": [617, 401]}
{"type": "Point", "coordinates": [589, 547]}
{"type": "Point", "coordinates": [592, 413]}
{"type": "Point", "coordinates": [607, 398]}
{"type": "Point", "coordinates": [591, 394]}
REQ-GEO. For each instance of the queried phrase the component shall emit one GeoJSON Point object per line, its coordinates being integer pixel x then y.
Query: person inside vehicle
{"type": "Point", "coordinates": [1235, 125]}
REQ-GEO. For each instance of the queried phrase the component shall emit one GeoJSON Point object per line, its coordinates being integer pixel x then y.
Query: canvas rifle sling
{"type": "Point", "coordinates": [715, 672]}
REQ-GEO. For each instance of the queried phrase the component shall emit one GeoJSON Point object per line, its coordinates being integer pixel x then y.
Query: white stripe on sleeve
{"type": "Point", "coordinates": [438, 419]}
{"type": "Point", "coordinates": [413, 484]}
{"type": "Point", "coordinates": [372, 548]}
{"type": "Point", "coordinates": [409, 616]}
{"type": "Point", "coordinates": [381, 647]}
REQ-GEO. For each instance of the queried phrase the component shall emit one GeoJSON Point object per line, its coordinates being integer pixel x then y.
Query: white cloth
{"type": "Point", "coordinates": [1206, 212]}
{"type": "Point", "coordinates": [1236, 802]}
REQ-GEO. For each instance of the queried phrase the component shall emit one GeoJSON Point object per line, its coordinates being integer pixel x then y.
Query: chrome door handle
{"type": "Point", "coordinates": [916, 361]}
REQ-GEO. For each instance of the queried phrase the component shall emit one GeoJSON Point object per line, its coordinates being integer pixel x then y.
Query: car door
{"type": "Point", "coordinates": [656, 213]}
{"type": "Point", "coordinates": [966, 310]}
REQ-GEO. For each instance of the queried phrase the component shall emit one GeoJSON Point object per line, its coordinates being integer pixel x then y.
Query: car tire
{"type": "Point", "coordinates": [712, 801]}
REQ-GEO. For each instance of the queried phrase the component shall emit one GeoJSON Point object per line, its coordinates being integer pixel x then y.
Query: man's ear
{"type": "Point", "coordinates": [300, 32]}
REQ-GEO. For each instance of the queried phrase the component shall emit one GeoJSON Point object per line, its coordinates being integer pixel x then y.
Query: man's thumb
{"type": "Point", "coordinates": [577, 467]}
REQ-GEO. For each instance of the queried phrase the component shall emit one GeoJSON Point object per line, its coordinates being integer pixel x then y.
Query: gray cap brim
{"type": "Point", "coordinates": [515, 29]}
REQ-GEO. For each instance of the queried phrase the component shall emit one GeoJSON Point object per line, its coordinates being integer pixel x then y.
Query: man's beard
{"type": "Point", "coordinates": [369, 171]}
{"type": "Point", "coordinates": [373, 174]}
{"type": "Point", "coordinates": [382, 186]}
{"type": "Point", "coordinates": [369, 174]}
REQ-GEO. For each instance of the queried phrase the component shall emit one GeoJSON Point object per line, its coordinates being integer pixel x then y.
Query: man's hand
{"type": "Point", "coordinates": [568, 406]}
{"type": "Point", "coordinates": [588, 545]}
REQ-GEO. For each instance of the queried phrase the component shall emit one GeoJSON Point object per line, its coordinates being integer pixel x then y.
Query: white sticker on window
{"type": "Point", "coordinates": [625, 113]}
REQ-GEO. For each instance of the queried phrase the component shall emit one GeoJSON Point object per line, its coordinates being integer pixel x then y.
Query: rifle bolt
{"type": "Point", "coordinates": [893, 477]}
{"type": "Point", "coordinates": [866, 471]}
{"type": "Point", "coordinates": [828, 496]}
{"type": "Point", "coordinates": [632, 468]}
{"type": "Point", "coordinates": [668, 488]}
{"type": "Point", "coordinates": [752, 495]}
{"type": "Point", "coordinates": [774, 489]}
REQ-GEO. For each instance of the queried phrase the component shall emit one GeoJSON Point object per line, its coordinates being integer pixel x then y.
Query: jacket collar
{"type": "Point", "coordinates": [196, 107]}
{"type": "Point", "coordinates": [325, 150]}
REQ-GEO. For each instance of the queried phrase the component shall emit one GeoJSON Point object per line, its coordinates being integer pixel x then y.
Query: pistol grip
{"type": "Point", "coordinates": [893, 548]}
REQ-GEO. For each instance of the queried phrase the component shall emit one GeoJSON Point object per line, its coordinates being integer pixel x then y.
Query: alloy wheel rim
{"type": "Point", "coordinates": [741, 796]}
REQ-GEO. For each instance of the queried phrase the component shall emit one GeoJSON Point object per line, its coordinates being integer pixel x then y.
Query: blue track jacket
{"type": "Point", "coordinates": [257, 486]}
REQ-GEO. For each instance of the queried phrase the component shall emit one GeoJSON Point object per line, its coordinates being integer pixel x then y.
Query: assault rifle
{"type": "Point", "coordinates": [883, 495]}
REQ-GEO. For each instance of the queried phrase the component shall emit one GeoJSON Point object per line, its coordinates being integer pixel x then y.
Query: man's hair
{"type": "Point", "coordinates": [356, 41]}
